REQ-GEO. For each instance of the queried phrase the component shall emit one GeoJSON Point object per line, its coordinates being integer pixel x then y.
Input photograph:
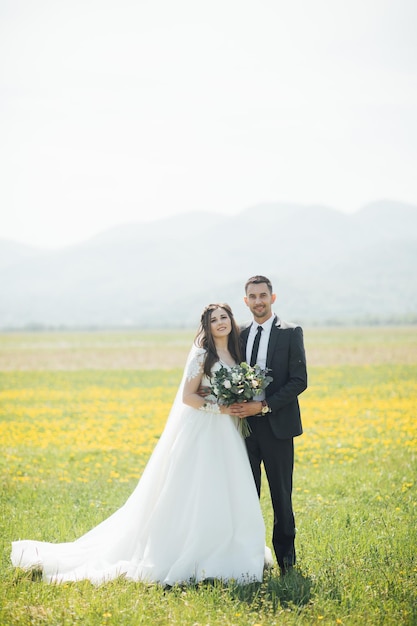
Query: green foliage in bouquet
{"type": "Point", "coordinates": [239, 383]}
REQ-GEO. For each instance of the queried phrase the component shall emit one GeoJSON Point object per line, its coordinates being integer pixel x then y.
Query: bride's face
{"type": "Point", "coordinates": [220, 324]}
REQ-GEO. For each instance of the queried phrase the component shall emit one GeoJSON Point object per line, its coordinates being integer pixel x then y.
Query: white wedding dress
{"type": "Point", "coordinates": [194, 514]}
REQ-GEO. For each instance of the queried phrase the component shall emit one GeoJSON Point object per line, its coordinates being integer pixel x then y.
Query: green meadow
{"type": "Point", "coordinates": [81, 412]}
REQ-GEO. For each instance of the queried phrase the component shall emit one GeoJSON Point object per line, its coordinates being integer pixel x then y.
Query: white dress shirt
{"type": "Point", "coordinates": [263, 346]}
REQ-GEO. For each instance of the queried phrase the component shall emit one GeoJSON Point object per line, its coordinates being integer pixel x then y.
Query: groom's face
{"type": "Point", "coordinates": [260, 300]}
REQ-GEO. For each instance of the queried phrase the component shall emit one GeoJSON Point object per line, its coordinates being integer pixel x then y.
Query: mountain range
{"type": "Point", "coordinates": [327, 267]}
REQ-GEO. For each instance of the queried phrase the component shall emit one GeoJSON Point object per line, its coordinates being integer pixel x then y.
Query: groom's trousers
{"type": "Point", "coordinates": [277, 455]}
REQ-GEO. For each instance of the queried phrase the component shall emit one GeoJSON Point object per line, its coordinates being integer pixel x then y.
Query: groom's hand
{"type": "Point", "coordinates": [246, 409]}
{"type": "Point", "coordinates": [203, 391]}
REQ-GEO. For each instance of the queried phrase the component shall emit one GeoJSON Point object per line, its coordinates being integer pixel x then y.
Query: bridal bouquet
{"type": "Point", "coordinates": [239, 384]}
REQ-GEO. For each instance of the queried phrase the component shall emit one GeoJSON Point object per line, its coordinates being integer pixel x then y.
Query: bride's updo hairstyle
{"type": "Point", "coordinates": [204, 338]}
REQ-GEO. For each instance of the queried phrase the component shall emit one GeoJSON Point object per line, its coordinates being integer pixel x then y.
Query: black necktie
{"type": "Point", "coordinates": [255, 347]}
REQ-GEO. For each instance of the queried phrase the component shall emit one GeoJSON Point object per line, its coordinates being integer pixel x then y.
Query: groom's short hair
{"type": "Point", "coordinates": [256, 280]}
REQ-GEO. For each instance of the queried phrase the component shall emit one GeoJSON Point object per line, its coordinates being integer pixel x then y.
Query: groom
{"type": "Point", "coordinates": [274, 418]}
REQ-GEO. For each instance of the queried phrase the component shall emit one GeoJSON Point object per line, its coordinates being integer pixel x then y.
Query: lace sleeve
{"type": "Point", "coordinates": [210, 407]}
{"type": "Point", "coordinates": [195, 365]}
{"type": "Point", "coordinates": [193, 369]}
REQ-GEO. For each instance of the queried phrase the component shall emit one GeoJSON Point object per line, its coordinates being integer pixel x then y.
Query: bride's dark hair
{"type": "Point", "coordinates": [204, 338]}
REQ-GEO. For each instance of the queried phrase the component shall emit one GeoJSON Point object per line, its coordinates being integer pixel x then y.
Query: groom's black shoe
{"type": "Point", "coordinates": [286, 568]}
{"type": "Point", "coordinates": [286, 564]}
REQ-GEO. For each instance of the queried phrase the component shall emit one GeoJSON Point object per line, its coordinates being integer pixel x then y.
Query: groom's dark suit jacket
{"type": "Point", "coordinates": [287, 361]}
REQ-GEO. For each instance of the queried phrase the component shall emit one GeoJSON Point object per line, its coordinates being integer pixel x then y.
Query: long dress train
{"type": "Point", "coordinates": [194, 513]}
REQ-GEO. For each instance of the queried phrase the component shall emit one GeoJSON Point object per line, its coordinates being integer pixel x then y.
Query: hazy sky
{"type": "Point", "coordinates": [124, 110]}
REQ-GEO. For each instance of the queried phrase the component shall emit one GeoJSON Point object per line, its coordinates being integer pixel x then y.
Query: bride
{"type": "Point", "coordinates": [195, 512]}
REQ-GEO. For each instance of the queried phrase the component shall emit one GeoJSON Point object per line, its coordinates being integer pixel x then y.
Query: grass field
{"type": "Point", "coordinates": [80, 414]}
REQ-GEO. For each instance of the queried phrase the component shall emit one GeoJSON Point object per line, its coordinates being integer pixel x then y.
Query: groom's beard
{"type": "Point", "coordinates": [260, 313]}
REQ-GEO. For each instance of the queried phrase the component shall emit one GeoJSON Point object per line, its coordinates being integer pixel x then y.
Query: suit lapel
{"type": "Point", "coordinates": [244, 339]}
{"type": "Point", "coordinates": [273, 340]}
